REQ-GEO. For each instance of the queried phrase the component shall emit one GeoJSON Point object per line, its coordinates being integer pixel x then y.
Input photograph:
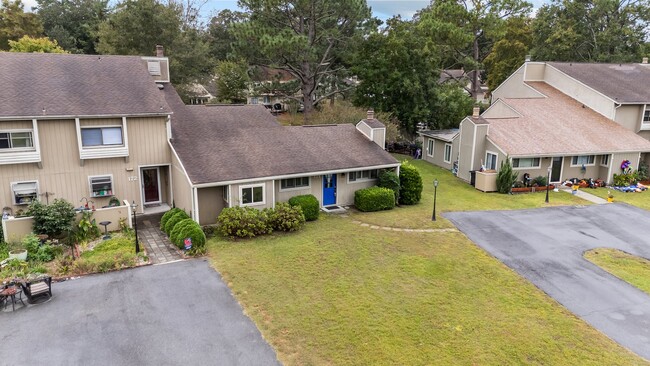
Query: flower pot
{"type": "Point", "coordinates": [18, 254]}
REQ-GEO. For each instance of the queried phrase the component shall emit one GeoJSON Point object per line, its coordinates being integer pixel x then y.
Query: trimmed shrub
{"type": "Point", "coordinates": [374, 199]}
{"type": "Point", "coordinates": [175, 219]}
{"type": "Point", "coordinates": [309, 204]}
{"type": "Point", "coordinates": [174, 235]}
{"type": "Point", "coordinates": [389, 179]}
{"type": "Point", "coordinates": [195, 233]}
{"type": "Point", "coordinates": [167, 216]}
{"type": "Point", "coordinates": [410, 191]}
{"type": "Point", "coordinates": [506, 177]}
{"type": "Point", "coordinates": [54, 220]}
{"type": "Point", "coordinates": [286, 217]}
{"type": "Point", "coordinates": [243, 222]}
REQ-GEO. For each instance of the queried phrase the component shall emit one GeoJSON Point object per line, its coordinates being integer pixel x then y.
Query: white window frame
{"type": "Point", "coordinates": [362, 178]}
{"type": "Point", "coordinates": [255, 100]}
{"type": "Point", "coordinates": [538, 166]}
{"type": "Point", "coordinates": [295, 188]}
{"type": "Point", "coordinates": [496, 160]}
{"type": "Point", "coordinates": [13, 194]}
{"type": "Point", "coordinates": [101, 128]}
{"type": "Point", "coordinates": [604, 157]}
{"type": "Point", "coordinates": [224, 193]}
{"type": "Point", "coordinates": [252, 187]}
{"type": "Point", "coordinates": [448, 147]}
{"type": "Point", "coordinates": [643, 118]}
{"type": "Point", "coordinates": [111, 190]}
{"type": "Point", "coordinates": [575, 157]}
{"type": "Point", "coordinates": [431, 146]}
{"type": "Point", "coordinates": [11, 149]}
{"type": "Point", "coordinates": [103, 151]}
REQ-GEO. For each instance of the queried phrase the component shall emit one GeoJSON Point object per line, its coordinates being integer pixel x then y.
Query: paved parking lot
{"type": "Point", "coordinates": [546, 247]}
{"type": "Point", "coordinates": [171, 314]}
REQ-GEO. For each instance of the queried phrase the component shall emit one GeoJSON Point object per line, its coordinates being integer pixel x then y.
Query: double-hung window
{"type": "Point", "coordinates": [252, 195]}
{"type": "Point", "coordinates": [430, 145]}
{"type": "Point", "coordinates": [646, 115]}
{"type": "Point", "coordinates": [22, 140]}
{"type": "Point", "coordinates": [362, 175]}
{"type": "Point", "coordinates": [294, 183]}
{"type": "Point", "coordinates": [447, 157]}
{"type": "Point", "coordinates": [491, 161]}
{"type": "Point", "coordinates": [583, 160]}
{"type": "Point", "coordinates": [101, 136]}
{"type": "Point", "coordinates": [604, 160]}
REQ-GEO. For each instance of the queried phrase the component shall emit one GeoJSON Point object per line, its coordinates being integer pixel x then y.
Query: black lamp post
{"type": "Point", "coordinates": [135, 227]}
{"type": "Point", "coordinates": [548, 182]}
{"type": "Point", "coordinates": [435, 197]}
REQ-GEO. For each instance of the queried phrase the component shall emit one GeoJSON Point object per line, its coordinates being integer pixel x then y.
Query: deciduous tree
{"type": "Point", "coordinates": [509, 52]}
{"type": "Point", "coordinates": [15, 23]}
{"type": "Point", "coordinates": [232, 81]}
{"type": "Point", "coordinates": [39, 45]}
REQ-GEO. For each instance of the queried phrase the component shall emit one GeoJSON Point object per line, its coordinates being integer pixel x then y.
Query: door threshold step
{"type": "Point", "coordinates": [334, 209]}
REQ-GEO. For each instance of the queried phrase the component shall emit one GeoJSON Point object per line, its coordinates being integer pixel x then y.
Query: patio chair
{"type": "Point", "coordinates": [38, 289]}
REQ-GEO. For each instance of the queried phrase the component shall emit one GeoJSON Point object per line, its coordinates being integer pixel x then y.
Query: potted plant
{"type": "Point", "coordinates": [17, 251]}
{"type": "Point", "coordinates": [610, 197]}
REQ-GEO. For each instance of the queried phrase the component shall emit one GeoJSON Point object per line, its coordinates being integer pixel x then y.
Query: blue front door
{"type": "Point", "coordinates": [329, 189]}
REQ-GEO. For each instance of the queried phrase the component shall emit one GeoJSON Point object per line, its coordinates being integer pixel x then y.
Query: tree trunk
{"type": "Point", "coordinates": [475, 82]}
{"type": "Point", "coordinates": [307, 91]}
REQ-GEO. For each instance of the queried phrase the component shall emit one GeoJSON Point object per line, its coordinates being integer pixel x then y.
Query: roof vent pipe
{"type": "Point", "coordinates": [645, 60]}
{"type": "Point", "coordinates": [476, 112]}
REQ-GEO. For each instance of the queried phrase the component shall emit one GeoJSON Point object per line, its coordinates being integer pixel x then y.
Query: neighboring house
{"type": "Point", "coordinates": [261, 90]}
{"type": "Point", "coordinates": [464, 79]}
{"type": "Point", "coordinates": [75, 126]}
{"type": "Point", "coordinates": [579, 120]}
{"type": "Point", "coordinates": [440, 147]}
{"type": "Point", "coordinates": [199, 94]}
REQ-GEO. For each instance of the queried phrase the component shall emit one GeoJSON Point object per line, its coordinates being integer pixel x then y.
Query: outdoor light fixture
{"type": "Point", "coordinates": [548, 182]}
{"type": "Point", "coordinates": [435, 196]}
{"type": "Point", "coordinates": [135, 227]}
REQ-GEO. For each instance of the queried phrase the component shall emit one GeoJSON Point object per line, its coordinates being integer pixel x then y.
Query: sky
{"type": "Point", "coordinates": [382, 9]}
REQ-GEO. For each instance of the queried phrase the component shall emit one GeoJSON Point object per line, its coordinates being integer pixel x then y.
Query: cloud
{"type": "Point", "coordinates": [385, 9]}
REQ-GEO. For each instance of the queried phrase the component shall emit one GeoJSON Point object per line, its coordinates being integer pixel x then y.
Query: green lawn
{"type": "Point", "coordinates": [456, 195]}
{"type": "Point", "coordinates": [631, 269]}
{"type": "Point", "coordinates": [639, 199]}
{"type": "Point", "coordinates": [336, 293]}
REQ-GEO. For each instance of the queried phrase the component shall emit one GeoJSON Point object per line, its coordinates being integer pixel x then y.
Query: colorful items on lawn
{"type": "Point", "coordinates": [632, 188]}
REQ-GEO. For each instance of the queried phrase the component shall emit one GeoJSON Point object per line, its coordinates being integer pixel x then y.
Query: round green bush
{"type": "Point", "coordinates": [175, 234]}
{"type": "Point", "coordinates": [389, 179]}
{"type": "Point", "coordinates": [243, 222]}
{"type": "Point", "coordinates": [196, 234]}
{"type": "Point", "coordinates": [374, 199]}
{"type": "Point", "coordinates": [309, 204]}
{"type": "Point", "coordinates": [410, 181]}
{"type": "Point", "coordinates": [285, 217]}
{"type": "Point", "coordinates": [169, 225]}
{"type": "Point", "coordinates": [167, 216]}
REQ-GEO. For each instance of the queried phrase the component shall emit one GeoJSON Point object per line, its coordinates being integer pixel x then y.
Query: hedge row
{"type": "Point", "coordinates": [374, 199]}
{"type": "Point", "coordinates": [179, 226]}
{"type": "Point", "coordinates": [248, 222]}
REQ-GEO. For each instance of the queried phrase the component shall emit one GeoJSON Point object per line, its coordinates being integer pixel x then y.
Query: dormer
{"type": "Point", "coordinates": [373, 129]}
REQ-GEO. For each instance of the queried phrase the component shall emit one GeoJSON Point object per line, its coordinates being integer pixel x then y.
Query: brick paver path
{"type": "Point", "coordinates": [159, 248]}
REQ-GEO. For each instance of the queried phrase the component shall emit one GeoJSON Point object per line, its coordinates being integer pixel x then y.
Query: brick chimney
{"type": "Point", "coordinates": [370, 115]}
{"type": "Point", "coordinates": [476, 112]}
{"type": "Point", "coordinates": [160, 50]}
{"type": "Point", "coordinates": [645, 60]}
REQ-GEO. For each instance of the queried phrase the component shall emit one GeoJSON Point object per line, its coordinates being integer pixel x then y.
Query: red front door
{"type": "Point", "coordinates": [151, 185]}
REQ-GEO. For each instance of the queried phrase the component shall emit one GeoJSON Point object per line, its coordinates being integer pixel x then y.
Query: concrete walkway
{"type": "Point", "coordinates": [400, 229]}
{"type": "Point", "coordinates": [159, 248]}
{"type": "Point", "coordinates": [586, 196]}
{"type": "Point", "coordinates": [546, 247]}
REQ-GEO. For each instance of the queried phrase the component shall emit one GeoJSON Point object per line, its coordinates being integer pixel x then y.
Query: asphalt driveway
{"type": "Point", "coordinates": [546, 246]}
{"type": "Point", "coordinates": [172, 314]}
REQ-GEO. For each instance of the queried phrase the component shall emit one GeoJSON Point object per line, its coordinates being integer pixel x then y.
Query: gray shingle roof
{"type": "Point", "coordinates": [445, 135]}
{"type": "Point", "coordinates": [45, 84]}
{"type": "Point", "coordinates": [229, 143]}
{"type": "Point", "coordinates": [559, 125]}
{"type": "Point", "coordinates": [625, 83]}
